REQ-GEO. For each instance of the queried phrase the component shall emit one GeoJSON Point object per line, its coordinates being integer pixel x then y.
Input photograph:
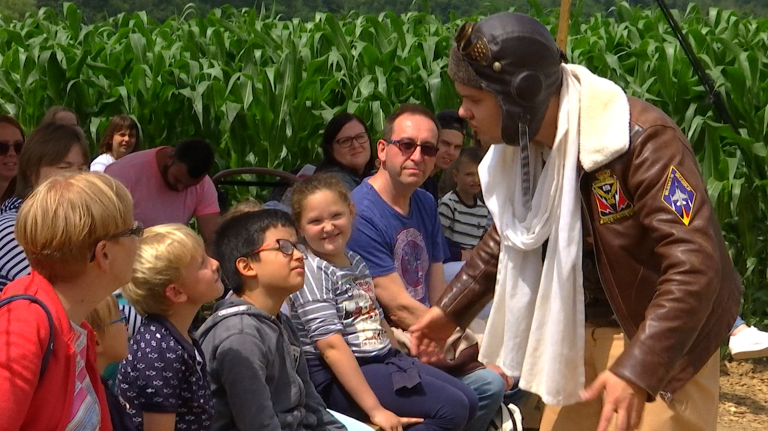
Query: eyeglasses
{"type": "Point", "coordinates": [473, 46]}
{"type": "Point", "coordinates": [122, 319]}
{"type": "Point", "coordinates": [408, 146]}
{"type": "Point", "coordinates": [137, 230]}
{"type": "Point", "coordinates": [346, 142]}
{"type": "Point", "coordinates": [283, 246]}
{"type": "Point", "coordinates": [5, 147]}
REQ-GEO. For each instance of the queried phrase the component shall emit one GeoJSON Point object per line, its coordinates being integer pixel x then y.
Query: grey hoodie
{"type": "Point", "coordinates": [259, 376]}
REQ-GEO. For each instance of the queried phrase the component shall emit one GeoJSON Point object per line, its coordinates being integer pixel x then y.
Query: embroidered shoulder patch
{"type": "Point", "coordinates": [612, 203]}
{"type": "Point", "coordinates": [678, 195]}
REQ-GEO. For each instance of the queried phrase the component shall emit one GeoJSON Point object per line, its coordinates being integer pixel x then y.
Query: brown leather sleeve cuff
{"type": "Point", "coordinates": [473, 287]}
{"type": "Point", "coordinates": [644, 367]}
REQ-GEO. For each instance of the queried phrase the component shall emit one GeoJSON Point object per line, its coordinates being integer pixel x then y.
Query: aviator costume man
{"type": "Point", "coordinates": [660, 292]}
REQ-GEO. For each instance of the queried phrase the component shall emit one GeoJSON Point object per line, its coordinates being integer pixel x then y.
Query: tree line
{"type": "Point", "coordinates": [95, 10]}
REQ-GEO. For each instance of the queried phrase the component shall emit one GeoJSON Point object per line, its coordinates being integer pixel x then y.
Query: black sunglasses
{"type": "Point", "coordinates": [408, 146]}
{"type": "Point", "coordinates": [137, 230]}
{"type": "Point", "coordinates": [5, 147]}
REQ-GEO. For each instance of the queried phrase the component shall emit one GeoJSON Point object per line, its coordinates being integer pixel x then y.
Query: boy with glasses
{"type": "Point", "coordinates": [258, 374]}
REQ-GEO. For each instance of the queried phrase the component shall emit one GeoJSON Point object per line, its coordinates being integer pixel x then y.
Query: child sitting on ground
{"type": "Point", "coordinates": [351, 361]}
{"type": "Point", "coordinates": [110, 326]}
{"type": "Point", "coordinates": [464, 217]}
{"type": "Point", "coordinates": [164, 379]}
{"type": "Point", "coordinates": [258, 374]}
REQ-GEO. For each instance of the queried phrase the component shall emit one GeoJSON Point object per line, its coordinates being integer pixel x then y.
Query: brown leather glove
{"type": "Point", "coordinates": [473, 287]}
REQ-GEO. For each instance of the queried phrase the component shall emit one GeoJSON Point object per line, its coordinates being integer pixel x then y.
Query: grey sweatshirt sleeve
{"type": "Point", "coordinates": [314, 404]}
{"type": "Point", "coordinates": [243, 369]}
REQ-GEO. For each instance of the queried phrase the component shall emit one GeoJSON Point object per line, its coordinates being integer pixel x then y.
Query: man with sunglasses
{"type": "Point", "coordinates": [397, 232]}
{"type": "Point", "coordinates": [636, 290]}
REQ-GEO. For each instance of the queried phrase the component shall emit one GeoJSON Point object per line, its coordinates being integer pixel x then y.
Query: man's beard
{"type": "Point", "coordinates": [164, 174]}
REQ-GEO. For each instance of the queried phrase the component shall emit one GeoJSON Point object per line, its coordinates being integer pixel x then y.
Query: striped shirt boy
{"type": "Point", "coordinates": [463, 223]}
{"type": "Point", "coordinates": [339, 300]}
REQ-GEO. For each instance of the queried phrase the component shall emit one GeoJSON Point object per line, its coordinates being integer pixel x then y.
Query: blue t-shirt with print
{"type": "Point", "coordinates": [391, 242]}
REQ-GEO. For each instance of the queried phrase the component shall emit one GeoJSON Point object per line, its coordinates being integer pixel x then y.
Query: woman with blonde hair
{"type": "Point", "coordinates": [78, 232]}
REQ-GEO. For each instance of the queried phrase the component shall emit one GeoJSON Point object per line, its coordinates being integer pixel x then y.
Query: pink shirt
{"type": "Point", "coordinates": [153, 202]}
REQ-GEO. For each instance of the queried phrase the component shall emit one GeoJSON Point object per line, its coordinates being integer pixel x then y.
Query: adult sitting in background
{"type": "Point", "coordinates": [50, 149]}
{"type": "Point", "coordinates": [397, 232]}
{"type": "Point", "coordinates": [61, 115]}
{"type": "Point", "coordinates": [347, 150]}
{"type": "Point", "coordinates": [11, 141]}
{"type": "Point", "coordinates": [452, 132]}
{"type": "Point", "coordinates": [121, 138]}
{"type": "Point", "coordinates": [170, 185]}
{"type": "Point", "coordinates": [78, 232]}
{"type": "Point", "coordinates": [346, 153]}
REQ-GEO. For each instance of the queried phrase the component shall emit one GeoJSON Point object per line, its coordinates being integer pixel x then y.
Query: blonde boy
{"type": "Point", "coordinates": [164, 379]}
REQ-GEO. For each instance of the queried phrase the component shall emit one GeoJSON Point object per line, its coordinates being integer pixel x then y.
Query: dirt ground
{"type": "Point", "coordinates": [743, 395]}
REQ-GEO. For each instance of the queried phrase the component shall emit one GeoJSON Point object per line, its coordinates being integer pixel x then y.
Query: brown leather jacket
{"type": "Point", "coordinates": [671, 285]}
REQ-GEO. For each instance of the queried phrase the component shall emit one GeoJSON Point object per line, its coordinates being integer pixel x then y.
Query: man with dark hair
{"type": "Point", "coordinates": [453, 129]}
{"type": "Point", "coordinates": [606, 265]}
{"type": "Point", "coordinates": [397, 232]}
{"type": "Point", "coordinates": [171, 185]}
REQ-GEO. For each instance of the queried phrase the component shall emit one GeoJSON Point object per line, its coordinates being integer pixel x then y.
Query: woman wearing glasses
{"type": "Point", "coordinates": [78, 232]}
{"type": "Point", "coordinates": [347, 150]}
{"type": "Point", "coordinates": [11, 141]}
{"type": "Point", "coordinates": [51, 148]}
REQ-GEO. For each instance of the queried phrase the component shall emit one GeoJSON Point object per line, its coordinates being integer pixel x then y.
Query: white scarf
{"type": "Point", "coordinates": [537, 318]}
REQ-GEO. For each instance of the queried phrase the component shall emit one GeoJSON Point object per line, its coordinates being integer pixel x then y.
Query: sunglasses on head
{"type": "Point", "coordinates": [5, 147]}
{"type": "Point", "coordinates": [408, 146]}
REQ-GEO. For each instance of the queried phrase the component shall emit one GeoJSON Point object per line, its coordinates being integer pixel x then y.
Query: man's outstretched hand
{"type": "Point", "coordinates": [625, 399]}
{"type": "Point", "coordinates": [429, 334]}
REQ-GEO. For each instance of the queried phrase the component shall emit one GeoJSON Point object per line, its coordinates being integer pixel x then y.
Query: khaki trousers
{"type": "Point", "coordinates": [693, 407]}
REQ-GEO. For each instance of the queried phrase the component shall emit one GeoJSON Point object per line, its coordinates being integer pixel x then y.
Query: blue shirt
{"type": "Point", "coordinates": [165, 373]}
{"type": "Point", "coordinates": [391, 242]}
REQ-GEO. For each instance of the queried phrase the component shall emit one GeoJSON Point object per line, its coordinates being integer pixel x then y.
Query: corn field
{"type": "Point", "coordinates": [261, 89]}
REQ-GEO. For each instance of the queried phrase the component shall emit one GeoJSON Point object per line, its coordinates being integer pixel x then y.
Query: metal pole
{"type": "Point", "coordinates": [714, 96]}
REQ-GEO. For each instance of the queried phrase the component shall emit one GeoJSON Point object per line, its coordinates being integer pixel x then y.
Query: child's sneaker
{"type": "Point", "coordinates": [749, 343]}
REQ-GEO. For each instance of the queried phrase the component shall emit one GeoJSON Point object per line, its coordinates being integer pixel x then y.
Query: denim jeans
{"type": "Point", "coordinates": [489, 387]}
{"type": "Point", "coordinates": [739, 322]}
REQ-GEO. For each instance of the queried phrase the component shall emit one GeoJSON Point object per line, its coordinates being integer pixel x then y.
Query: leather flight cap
{"type": "Point", "coordinates": [514, 57]}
